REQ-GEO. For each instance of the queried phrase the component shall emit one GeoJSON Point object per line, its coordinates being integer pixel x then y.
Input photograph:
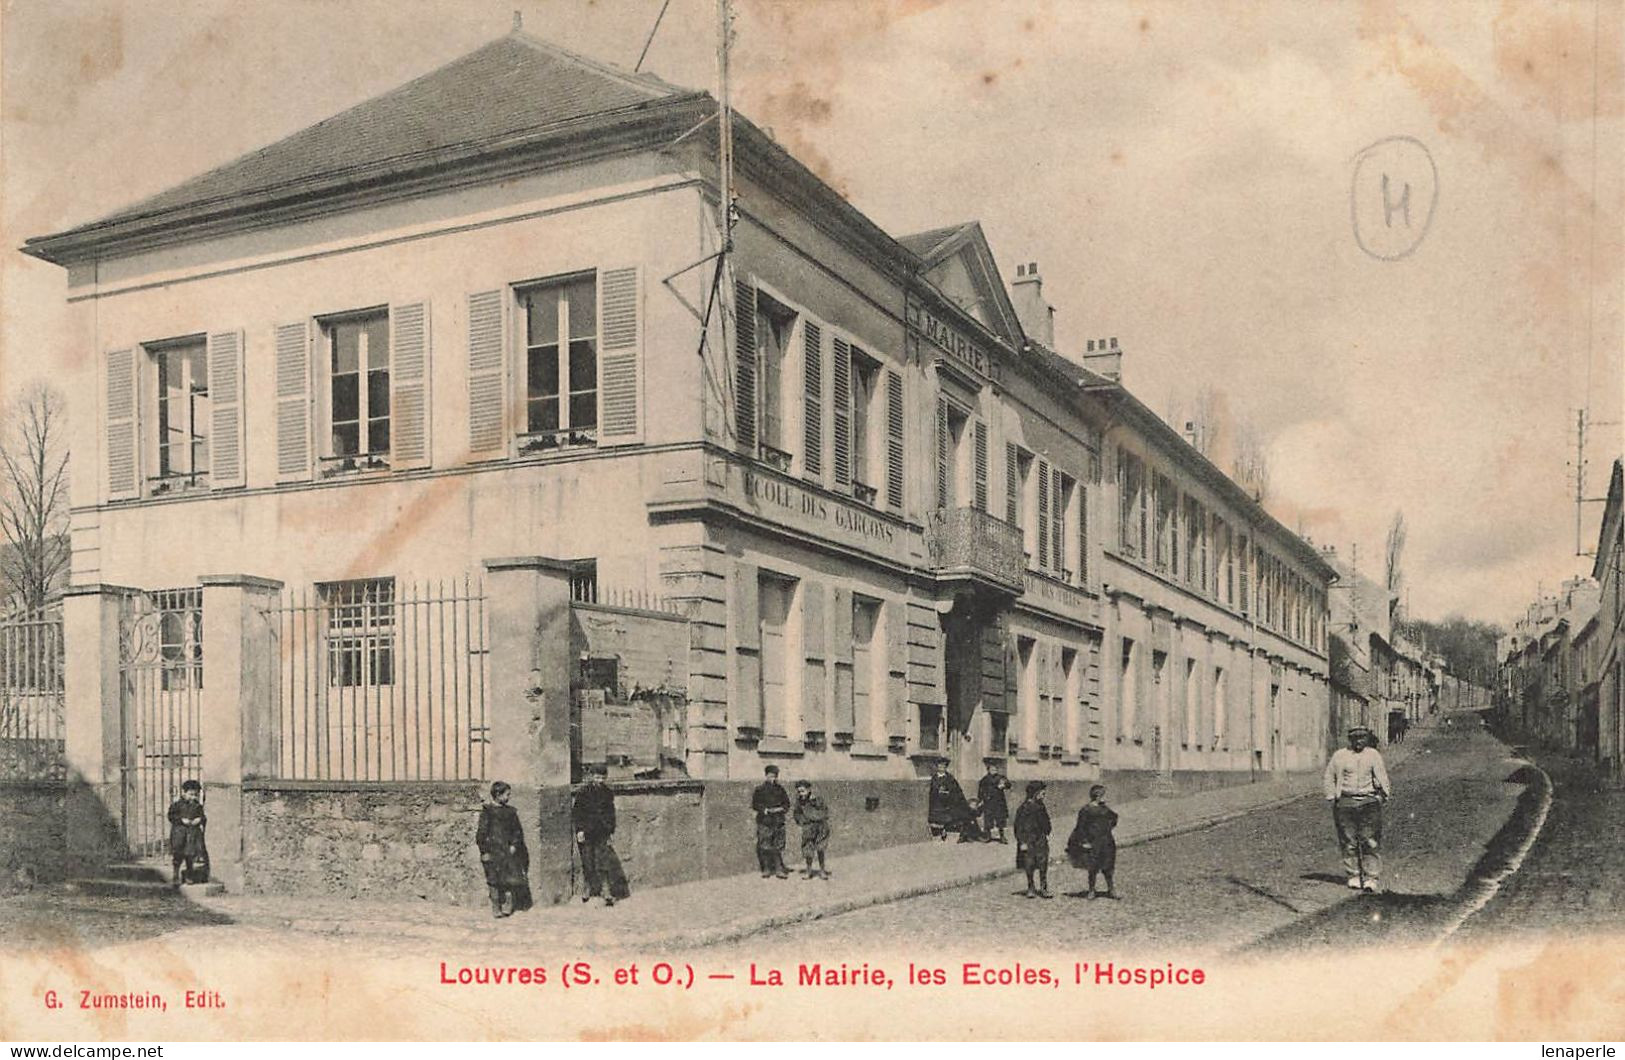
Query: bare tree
{"type": "Point", "coordinates": [1251, 466]}
{"type": "Point", "coordinates": [33, 497]}
{"type": "Point", "coordinates": [1393, 559]}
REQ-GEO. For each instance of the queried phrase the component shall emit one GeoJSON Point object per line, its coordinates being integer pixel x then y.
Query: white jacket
{"type": "Point", "coordinates": [1356, 773]}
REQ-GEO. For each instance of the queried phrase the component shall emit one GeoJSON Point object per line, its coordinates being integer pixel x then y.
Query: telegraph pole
{"type": "Point", "coordinates": [1582, 421]}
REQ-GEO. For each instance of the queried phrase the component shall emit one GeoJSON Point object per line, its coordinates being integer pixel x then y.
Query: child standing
{"type": "Point", "coordinates": [1032, 839]}
{"type": "Point", "coordinates": [186, 846]}
{"type": "Point", "coordinates": [1092, 846]}
{"type": "Point", "coordinates": [503, 854]}
{"type": "Point", "coordinates": [813, 817]}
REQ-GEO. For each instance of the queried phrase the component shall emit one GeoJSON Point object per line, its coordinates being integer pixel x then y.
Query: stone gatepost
{"type": "Point", "coordinates": [93, 722]}
{"type": "Point", "coordinates": [239, 708]}
{"type": "Point", "coordinates": [528, 713]}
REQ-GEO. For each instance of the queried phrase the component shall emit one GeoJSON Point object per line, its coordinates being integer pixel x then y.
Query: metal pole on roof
{"type": "Point", "coordinates": [725, 132]}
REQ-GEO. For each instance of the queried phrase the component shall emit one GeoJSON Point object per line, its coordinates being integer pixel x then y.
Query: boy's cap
{"type": "Point", "coordinates": [1034, 787]}
{"type": "Point", "coordinates": [191, 785]}
{"type": "Point", "coordinates": [771, 771]}
{"type": "Point", "coordinates": [804, 784]}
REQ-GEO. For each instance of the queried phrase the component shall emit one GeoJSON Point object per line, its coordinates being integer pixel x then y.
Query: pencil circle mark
{"type": "Point", "coordinates": [1392, 179]}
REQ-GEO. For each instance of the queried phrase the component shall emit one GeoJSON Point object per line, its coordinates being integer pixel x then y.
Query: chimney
{"type": "Point", "coordinates": [1036, 316]}
{"type": "Point", "coordinates": [1104, 358]}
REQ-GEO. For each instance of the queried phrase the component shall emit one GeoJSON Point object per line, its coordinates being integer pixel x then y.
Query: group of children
{"type": "Point", "coordinates": [1091, 846]}
{"type": "Point", "coordinates": [771, 804]}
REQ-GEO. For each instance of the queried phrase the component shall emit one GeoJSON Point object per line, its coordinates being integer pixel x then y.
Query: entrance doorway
{"type": "Point", "coordinates": [161, 693]}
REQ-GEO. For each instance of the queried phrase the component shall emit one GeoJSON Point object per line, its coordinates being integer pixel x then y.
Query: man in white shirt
{"type": "Point", "coordinates": [1356, 784]}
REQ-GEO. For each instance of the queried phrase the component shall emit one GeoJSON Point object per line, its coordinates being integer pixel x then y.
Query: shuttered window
{"type": "Point", "coordinates": [620, 357]}
{"type": "Point", "coordinates": [487, 402]}
{"type": "Point", "coordinates": [812, 411]}
{"type": "Point", "coordinates": [119, 406]}
{"type": "Point", "coordinates": [980, 468]}
{"type": "Point", "coordinates": [944, 470]}
{"type": "Point", "coordinates": [560, 364]}
{"type": "Point", "coordinates": [866, 399]}
{"type": "Point", "coordinates": [226, 409]}
{"type": "Point", "coordinates": [356, 355]}
{"type": "Point", "coordinates": [293, 433]}
{"type": "Point", "coordinates": [745, 366]}
{"type": "Point", "coordinates": [1057, 530]}
{"type": "Point", "coordinates": [409, 382]}
{"type": "Point", "coordinates": [841, 444]}
{"type": "Point", "coordinates": [180, 434]}
{"type": "Point", "coordinates": [1043, 557]}
{"type": "Point", "coordinates": [1012, 485]}
{"type": "Point", "coordinates": [894, 440]}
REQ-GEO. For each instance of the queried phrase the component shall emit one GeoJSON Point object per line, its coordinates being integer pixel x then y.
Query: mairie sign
{"type": "Point", "coordinates": [951, 341]}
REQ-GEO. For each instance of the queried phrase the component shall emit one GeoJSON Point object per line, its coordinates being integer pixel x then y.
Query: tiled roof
{"type": "Point", "coordinates": [924, 244]}
{"type": "Point", "coordinates": [513, 85]}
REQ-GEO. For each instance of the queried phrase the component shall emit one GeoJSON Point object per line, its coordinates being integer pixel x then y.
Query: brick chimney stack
{"type": "Point", "coordinates": [1104, 358]}
{"type": "Point", "coordinates": [1036, 315]}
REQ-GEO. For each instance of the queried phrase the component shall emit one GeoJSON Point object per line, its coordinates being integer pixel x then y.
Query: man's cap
{"type": "Point", "coordinates": [1034, 787]}
{"type": "Point", "coordinates": [771, 771]}
{"type": "Point", "coordinates": [1359, 730]}
{"type": "Point", "coordinates": [804, 784]}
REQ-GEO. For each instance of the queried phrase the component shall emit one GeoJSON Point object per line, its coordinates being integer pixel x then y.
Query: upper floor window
{"type": "Point", "coordinates": [560, 363]}
{"type": "Point", "coordinates": [180, 439]}
{"type": "Point", "coordinates": [774, 325]}
{"type": "Point", "coordinates": [357, 348]}
{"type": "Point", "coordinates": [1132, 504]}
{"type": "Point", "coordinates": [867, 458]}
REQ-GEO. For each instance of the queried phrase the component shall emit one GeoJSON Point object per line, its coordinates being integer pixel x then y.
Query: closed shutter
{"type": "Point", "coordinates": [812, 374]}
{"type": "Point", "coordinates": [942, 452]}
{"type": "Point", "coordinates": [895, 620]}
{"type": "Point", "coordinates": [1012, 674]}
{"type": "Point", "coordinates": [409, 385]}
{"type": "Point", "coordinates": [745, 366]}
{"type": "Point", "coordinates": [894, 440]}
{"type": "Point", "coordinates": [1083, 533]}
{"type": "Point", "coordinates": [1043, 514]}
{"type": "Point", "coordinates": [842, 420]}
{"type": "Point", "coordinates": [1012, 483]}
{"type": "Point", "coordinates": [841, 650]}
{"type": "Point", "coordinates": [1057, 530]}
{"type": "Point", "coordinates": [123, 453]}
{"type": "Point", "coordinates": [293, 419]}
{"type": "Point", "coordinates": [225, 361]}
{"type": "Point", "coordinates": [487, 391]}
{"type": "Point", "coordinates": [1057, 701]}
{"type": "Point", "coordinates": [981, 466]}
{"type": "Point", "coordinates": [747, 632]}
{"type": "Point", "coordinates": [620, 357]}
{"type": "Point", "coordinates": [814, 693]}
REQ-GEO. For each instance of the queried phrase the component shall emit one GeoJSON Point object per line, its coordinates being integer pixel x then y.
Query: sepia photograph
{"type": "Point", "coordinates": [812, 520]}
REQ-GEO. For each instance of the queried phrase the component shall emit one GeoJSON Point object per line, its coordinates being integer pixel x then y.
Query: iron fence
{"type": "Point", "coordinates": [382, 682]}
{"type": "Point", "coordinates": [32, 732]}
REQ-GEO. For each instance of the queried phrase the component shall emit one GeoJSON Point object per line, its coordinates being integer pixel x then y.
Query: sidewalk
{"type": "Point", "coordinates": [707, 912]}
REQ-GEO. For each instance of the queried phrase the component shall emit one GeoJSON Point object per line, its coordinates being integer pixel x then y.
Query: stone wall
{"type": "Point", "coordinates": [363, 841]}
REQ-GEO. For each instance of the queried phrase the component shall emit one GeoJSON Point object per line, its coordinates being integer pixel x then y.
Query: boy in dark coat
{"type": "Point", "coordinates": [995, 810]}
{"type": "Point", "coordinates": [1032, 839]}
{"type": "Point", "coordinates": [186, 821]}
{"type": "Point", "coordinates": [592, 815]}
{"type": "Point", "coordinates": [771, 804]}
{"type": "Point", "coordinates": [947, 811]}
{"type": "Point", "coordinates": [501, 842]}
{"type": "Point", "coordinates": [813, 817]}
{"type": "Point", "coordinates": [1092, 846]}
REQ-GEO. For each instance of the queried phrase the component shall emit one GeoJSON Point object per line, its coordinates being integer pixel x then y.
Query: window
{"type": "Point", "coordinates": [930, 726]}
{"type": "Point", "coordinates": [1167, 537]}
{"type": "Point", "coordinates": [866, 458]}
{"type": "Point", "coordinates": [954, 472]}
{"type": "Point", "coordinates": [1131, 529]}
{"type": "Point", "coordinates": [1193, 701]}
{"type": "Point", "coordinates": [998, 733]}
{"type": "Point", "coordinates": [1072, 733]}
{"type": "Point", "coordinates": [1220, 708]}
{"type": "Point", "coordinates": [774, 325]}
{"type": "Point", "coordinates": [1027, 502]}
{"type": "Point", "coordinates": [584, 581]}
{"type": "Point", "coordinates": [180, 445]}
{"type": "Point", "coordinates": [360, 632]}
{"type": "Point", "coordinates": [357, 347]}
{"type": "Point", "coordinates": [1027, 678]}
{"type": "Point", "coordinates": [1128, 693]}
{"type": "Point", "coordinates": [1066, 530]}
{"type": "Point", "coordinates": [561, 364]}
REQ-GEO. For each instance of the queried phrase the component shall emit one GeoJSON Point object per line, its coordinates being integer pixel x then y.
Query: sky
{"type": "Point", "coordinates": [1201, 181]}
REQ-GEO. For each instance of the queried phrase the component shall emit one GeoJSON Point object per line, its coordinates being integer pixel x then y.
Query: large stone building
{"type": "Point", "coordinates": [443, 436]}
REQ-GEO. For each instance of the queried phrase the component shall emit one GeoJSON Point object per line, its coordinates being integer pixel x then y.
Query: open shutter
{"type": "Point", "coordinates": [894, 440]}
{"type": "Point", "coordinates": [942, 451]}
{"type": "Point", "coordinates": [812, 375]}
{"type": "Point", "coordinates": [814, 694]}
{"type": "Point", "coordinates": [1043, 514]}
{"type": "Point", "coordinates": [841, 651]}
{"type": "Point", "coordinates": [1012, 484]}
{"type": "Point", "coordinates": [1012, 674]}
{"type": "Point", "coordinates": [745, 366]}
{"type": "Point", "coordinates": [293, 443]}
{"type": "Point", "coordinates": [842, 397]}
{"type": "Point", "coordinates": [225, 360]}
{"type": "Point", "coordinates": [747, 632]}
{"type": "Point", "coordinates": [123, 452]}
{"type": "Point", "coordinates": [409, 438]}
{"type": "Point", "coordinates": [1083, 532]}
{"type": "Point", "coordinates": [620, 357]}
{"type": "Point", "coordinates": [487, 401]}
{"type": "Point", "coordinates": [981, 466]}
{"type": "Point", "coordinates": [1057, 530]}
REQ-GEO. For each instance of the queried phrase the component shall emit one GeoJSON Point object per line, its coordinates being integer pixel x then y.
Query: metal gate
{"type": "Point", "coordinates": [161, 683]}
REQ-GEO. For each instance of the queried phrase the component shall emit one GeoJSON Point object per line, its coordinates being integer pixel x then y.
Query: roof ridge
{"type": "Point", "coordinates": [638, 81]}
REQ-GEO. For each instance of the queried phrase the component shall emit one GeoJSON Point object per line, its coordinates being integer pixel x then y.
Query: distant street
{"type": "Point", "coordinates": [1271, 878]}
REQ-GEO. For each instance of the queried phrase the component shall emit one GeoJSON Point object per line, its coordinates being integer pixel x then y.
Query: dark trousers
{"type": "Point", "coordinates": [770, 845]}
{"type": "Point", "coordinates": [599, 865]}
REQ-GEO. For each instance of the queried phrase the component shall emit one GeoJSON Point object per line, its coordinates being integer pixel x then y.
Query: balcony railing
{"type": "Point", "coordinates": [968, 542]}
